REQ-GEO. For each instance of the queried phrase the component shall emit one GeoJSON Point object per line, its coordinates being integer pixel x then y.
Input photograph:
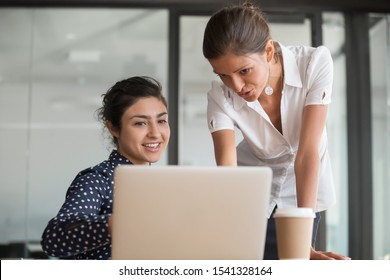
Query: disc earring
{"type": "Point", "coordinates": [268, 89]}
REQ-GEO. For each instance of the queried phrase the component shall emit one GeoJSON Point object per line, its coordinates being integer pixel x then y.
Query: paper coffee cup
{"type": "Point", "coordinates": [294, 229]}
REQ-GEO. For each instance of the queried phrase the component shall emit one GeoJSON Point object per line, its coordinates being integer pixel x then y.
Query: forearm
{"type": "Point", "coordinates": [225, 148]}
{"type": "Point", "coordinates": [306, 172]}
{"type": "Point", "coordinates": [226, 158]}
{"type": "Point", "coordinates": [72, 234]}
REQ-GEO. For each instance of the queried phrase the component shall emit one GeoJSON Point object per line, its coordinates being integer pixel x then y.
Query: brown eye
{"type": "Point", "coordinates": [162, 121]}
{"type": "Point", "coordinates": [245, 71]}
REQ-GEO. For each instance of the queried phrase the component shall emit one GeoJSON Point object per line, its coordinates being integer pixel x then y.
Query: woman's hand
{"type": "Point", "coordinates": [320, 255]}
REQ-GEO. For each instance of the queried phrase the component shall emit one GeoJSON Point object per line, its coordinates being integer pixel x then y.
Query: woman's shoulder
{"type": "Point", "coordinates": [105, 169]}
{"type": "Point", "coordinates": [308, 59]}
{"type": "Point", "coordinates": [308, 51]}
{"type": "Point", "coordinates": [101, 171]}
{"type": "Point", "coordinates": [92, 174]}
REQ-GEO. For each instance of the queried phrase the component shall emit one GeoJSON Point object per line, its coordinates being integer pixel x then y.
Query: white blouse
{"type": "Point", "coordinates": [308, 79]}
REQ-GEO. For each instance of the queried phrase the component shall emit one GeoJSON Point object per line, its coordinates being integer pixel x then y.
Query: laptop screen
{"type": "Point", "coordinates": [189, 213]}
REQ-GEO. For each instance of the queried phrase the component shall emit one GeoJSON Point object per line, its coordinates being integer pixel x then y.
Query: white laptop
{"type": "Point", "coordinates": [190, 213]}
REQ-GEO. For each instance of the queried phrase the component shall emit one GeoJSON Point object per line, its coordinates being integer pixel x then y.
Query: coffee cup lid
{"type": "Point", "coordinates": [299, 212]}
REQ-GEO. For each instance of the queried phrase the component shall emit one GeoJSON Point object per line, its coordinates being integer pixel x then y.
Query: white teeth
{"type": "Point", "coordinates": [152, 145]}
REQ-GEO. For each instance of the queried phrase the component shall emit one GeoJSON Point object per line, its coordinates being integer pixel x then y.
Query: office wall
{"type": "Point", "coordinates": [54, 66]}
{"type": "Point", "coordinates": [380, 91]}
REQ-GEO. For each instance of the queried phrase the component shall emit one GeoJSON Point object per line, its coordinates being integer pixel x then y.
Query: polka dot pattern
{"type": "Point", "coordinates": [80, 229]}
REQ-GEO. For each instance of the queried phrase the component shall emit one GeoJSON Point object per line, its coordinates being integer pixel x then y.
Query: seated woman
{"type": "Point", "coordinates": [135, 113]}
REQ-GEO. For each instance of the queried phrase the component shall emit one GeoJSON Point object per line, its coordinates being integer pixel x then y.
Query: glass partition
{"type": "Point", "coordinates": [333, 30]}
{"type": "Point", "coordinates": [15, 71]}
{"type": "Point", "coordinates": [55, 65]}
{"type": "Point", "coordinates": [380, 96]}
{"type": "Point", "coordinates": [195, 76]}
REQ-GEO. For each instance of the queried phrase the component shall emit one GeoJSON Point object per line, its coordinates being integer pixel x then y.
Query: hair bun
{"type": "Point", "coordinates": [249, 4]}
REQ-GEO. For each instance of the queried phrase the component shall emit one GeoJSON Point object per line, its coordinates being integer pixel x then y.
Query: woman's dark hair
{"type": "Point", "coordinates": [240, 29]}
{"type": "Point", "coordinates": [124, 94]}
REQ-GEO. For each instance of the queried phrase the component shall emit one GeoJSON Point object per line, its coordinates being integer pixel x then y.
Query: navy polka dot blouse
{"type": "Point", "coordinates": [80, 229]}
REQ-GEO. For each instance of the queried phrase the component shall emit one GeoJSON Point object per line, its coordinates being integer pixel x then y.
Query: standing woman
{"type": "Point", "coordinates": [278, 97]}
{"type": "Point", "coordinates": [135, 113]}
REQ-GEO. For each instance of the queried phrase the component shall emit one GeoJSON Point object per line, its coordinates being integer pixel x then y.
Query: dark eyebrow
{"type": "Point", "coordinates": [148, 117]}
{"type": "Point", "coordinates": [243, 67]}
{"type": "Point", "coordinates": [162, 114]}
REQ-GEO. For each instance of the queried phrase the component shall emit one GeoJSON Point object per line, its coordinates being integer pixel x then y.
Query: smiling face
{"type": "Point", "coordinates": [144, 132]}
{"type": "Point", "coordinates": [247, 75]}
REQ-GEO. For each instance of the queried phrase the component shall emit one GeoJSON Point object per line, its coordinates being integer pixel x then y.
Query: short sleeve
{"type": "Point", "coordinates": [319, 77]}
{"type": "Point", "coordinates": [217, 104]}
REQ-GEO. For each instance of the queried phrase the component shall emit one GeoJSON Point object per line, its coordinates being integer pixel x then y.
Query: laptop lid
{"type": "Point", "coordinates": [190, 213]}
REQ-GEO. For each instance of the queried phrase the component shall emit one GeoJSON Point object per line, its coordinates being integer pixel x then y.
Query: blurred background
{"type": "Point", "coordinates": [56, 60]}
